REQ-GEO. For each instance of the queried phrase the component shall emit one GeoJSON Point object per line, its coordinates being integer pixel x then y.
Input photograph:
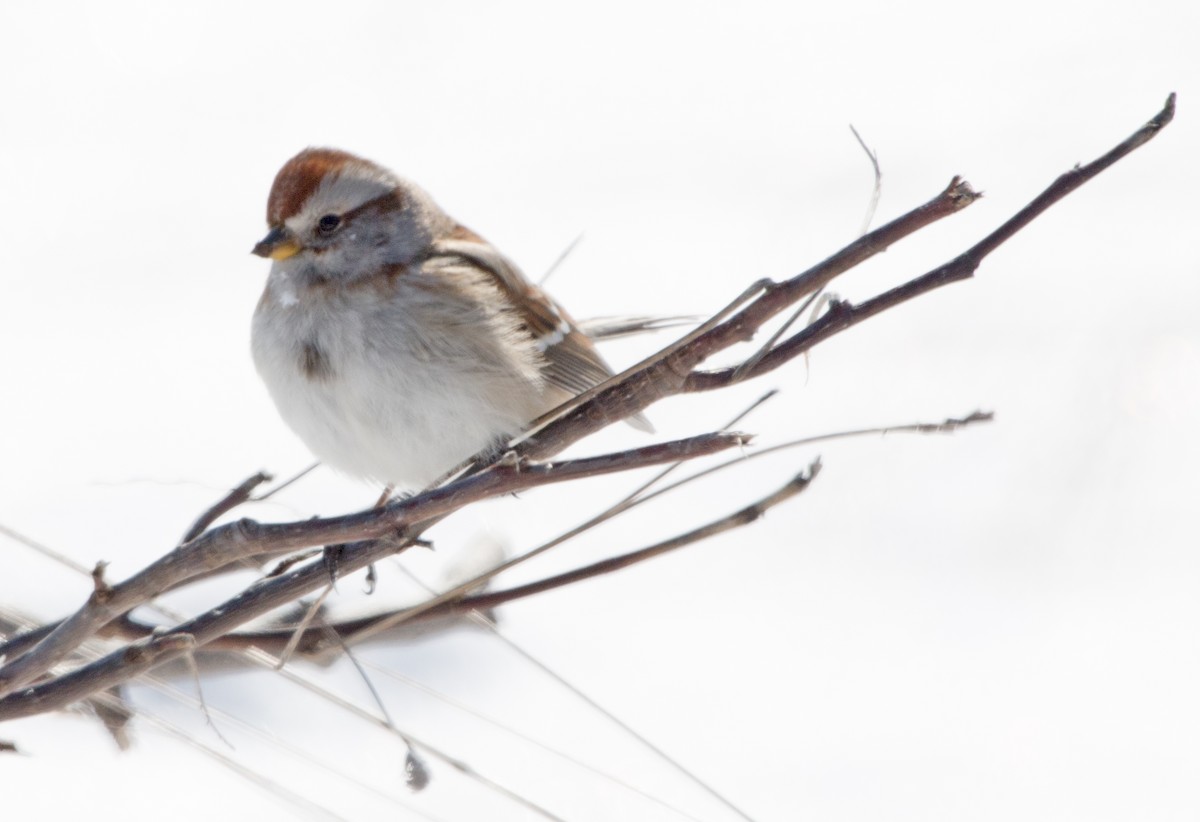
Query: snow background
{"type": "Point", "coordinates": [998, 624]}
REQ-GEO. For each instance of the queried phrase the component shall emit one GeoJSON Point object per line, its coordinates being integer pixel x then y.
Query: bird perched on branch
{"type": "Point", "coordinates": [394, 341]}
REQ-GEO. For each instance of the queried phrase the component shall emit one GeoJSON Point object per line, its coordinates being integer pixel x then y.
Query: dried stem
{"type": "Point", "coordinates": [461, 601]}
{"type": "Point", "coordinates": [129, 662]}
{"type": "Point", "coordinates": [843, 315]}
{"type": "Point", "coordinates": [737, 519]}
{"type": "Point", "coordinates": [371, 535]}
{"type": "Point", "coordinates": [227, 544]}
{"type": "Point", "coordinates": [223, 506]}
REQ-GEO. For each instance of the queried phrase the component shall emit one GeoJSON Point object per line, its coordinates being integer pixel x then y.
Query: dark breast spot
{"type": "Point", "coordinates": [313, 362]}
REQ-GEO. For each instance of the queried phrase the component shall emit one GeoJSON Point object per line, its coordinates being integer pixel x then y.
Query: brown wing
{"type": "Point", "coordinates": [572, 361]}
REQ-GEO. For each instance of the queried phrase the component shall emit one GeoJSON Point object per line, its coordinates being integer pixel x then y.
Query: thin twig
{"type": "Point", "coordinates": [279, 742]}
{"type": "Point", "coordinates": [45, 550]}
{"type": "Point", "coordinates": [613, 328]}
{"type": "Point", "coordinates": [298, 476]}
{"type": "Point", "coordinates": [194, 670]}
{"type": "Point", "coordinates": [265, 660]}
{"type": "Point", "coordinates": [876, 188]}
{"type": "Point", "coordinates": [270, 785]}
{"type": "Point", "coordinates": [843, 315]}
{"type": "Point", "coordinates": [309, 613]}
{"type": "Point", "coordinates": [480, 617]}
{"type": "Point", "coordinates": [361, 627]}
{"type": "Point", "coordinates": [737, 519]}
{"type": "Point", "coordinates": [224, 505]}
{"type": "Point", "coordinates": [524, 737]}
{"type": "Point", "coordinates": [225, 544]}
{"type": "Point", "coordinates": [672, 371]}
{"type": "Point", "coordinates": [120, 666]}
{"type": "Point", "coordinates": [558, 261]}
{"type": "Point", "coordinates": [750, 362]}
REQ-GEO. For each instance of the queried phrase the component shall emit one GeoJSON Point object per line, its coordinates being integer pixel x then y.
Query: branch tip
{"type": "Point", "coordinates": [960, 193]}
{"type": "Point", "coordinates": [100, 588]}
{"type": "Point", "coordinates": [1166, 115]}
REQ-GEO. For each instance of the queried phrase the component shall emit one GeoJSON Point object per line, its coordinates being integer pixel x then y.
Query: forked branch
{"type": "Point", "coordinates": [366, 537]}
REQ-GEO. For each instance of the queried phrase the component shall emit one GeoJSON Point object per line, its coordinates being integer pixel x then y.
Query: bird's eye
{"type": "Point", "coordinates": [329, 223]}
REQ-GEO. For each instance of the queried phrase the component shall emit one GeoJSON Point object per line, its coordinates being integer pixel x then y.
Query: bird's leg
{"type": "Point", "coordinates": [333, 553]}
{"type": "Point", "coordinates": [382, 501]}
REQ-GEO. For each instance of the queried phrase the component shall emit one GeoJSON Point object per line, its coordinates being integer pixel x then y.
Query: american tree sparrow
{"type": "Point", "coordinates": [394, 341]}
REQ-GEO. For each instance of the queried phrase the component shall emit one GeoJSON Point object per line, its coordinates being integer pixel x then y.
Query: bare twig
{"type": "Point", "coordinates": [370, 535]}
{"type": "Point", "coordinates": [666, 373]}
{"type": "Point", "coordinates": [612, 328]}
{"type": "Point", "coordinates": [273, 787]}
{"type": "Point", "coordinates": [120, 666]}
{"type": "Point", "coordinates": [266, 661]}
{"type": "Point", "coordinates": [226, 544]}
{"type": "Point", "coordinates": [748, 365]}
{"type": "Point", "coordinates": [309, 613]}
{"type": "Point", "coordinates": [743, 516]}
{"type": "Point", "coordinates": [44, 550]}
{"type": "Point", "coordinates": [272, 639]}
{"type": "Point", "coordinates": [560, 259]}
{"type": "Point", "coordinates": [876, 187]}
{"type": "Point", "coordinates": [224, 505]}
{"type": "Point", "coordinates": [270, 492]}
{"type": "Point", "coordinates": [843, 315]}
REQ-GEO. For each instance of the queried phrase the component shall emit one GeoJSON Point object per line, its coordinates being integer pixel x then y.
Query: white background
{"type": "Point", "coordinates": [998, 624]}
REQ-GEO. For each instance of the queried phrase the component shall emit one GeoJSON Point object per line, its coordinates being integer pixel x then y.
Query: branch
{"type": "Point", "coordinates": [226, 504]}
{"type": "Point", "coordinates": [368, 536]}
{"type": "Point", "coordinates": [228, 543]}
{"type": "Point", "coordinates": [317, 638]}
{"type": "Point", "coordinates": [666, 373]}
{"type": "Point", "coordinates": [843, 315]}
{"type": "Point", "coordinates": [460, 599]}
{"type": "Point", "coordinates": [129, 662]}
{"type": "Point", "coordinates": [737, 519]}
{"type": "Point", "coordinates": [451, 604]}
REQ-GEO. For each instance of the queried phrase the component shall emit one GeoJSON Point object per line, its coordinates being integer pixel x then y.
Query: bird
{"type": "Point", "coordinates": [394, 341]}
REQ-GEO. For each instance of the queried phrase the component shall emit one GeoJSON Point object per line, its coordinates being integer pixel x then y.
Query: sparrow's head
{"type": "Point", "coordinates": [341, 217]}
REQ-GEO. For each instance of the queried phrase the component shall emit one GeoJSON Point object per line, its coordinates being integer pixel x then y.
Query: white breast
{"type": "Point", "coordinates": [395, 390]}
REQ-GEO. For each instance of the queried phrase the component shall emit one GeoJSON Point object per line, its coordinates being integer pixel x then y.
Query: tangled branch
{"type": "Point", "coordinates": [31, 679]}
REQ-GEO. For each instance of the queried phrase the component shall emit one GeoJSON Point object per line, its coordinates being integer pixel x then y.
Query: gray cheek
{"type": "Point", "coordinates": [361, 259]}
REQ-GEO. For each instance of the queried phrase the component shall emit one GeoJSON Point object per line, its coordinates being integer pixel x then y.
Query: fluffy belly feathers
{"type": "Point", "coordinates": [381, 399]}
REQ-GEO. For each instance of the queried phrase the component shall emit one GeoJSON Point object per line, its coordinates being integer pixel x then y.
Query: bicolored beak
{"type": "Point", "coordinates": [279, 244]}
